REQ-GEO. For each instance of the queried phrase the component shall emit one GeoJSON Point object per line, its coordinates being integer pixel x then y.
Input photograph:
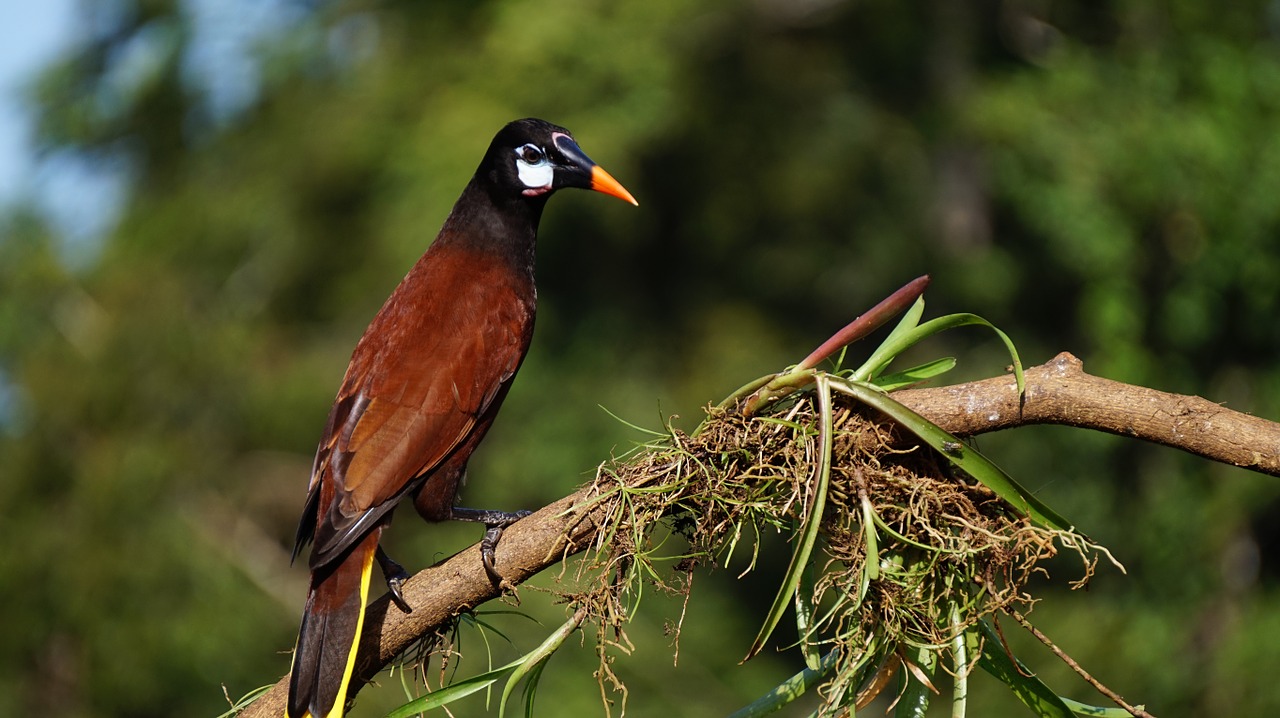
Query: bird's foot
{"type": "Point", "coordinates": [395, 576]}
{"type": "Point", "coordinates": [496, 521]}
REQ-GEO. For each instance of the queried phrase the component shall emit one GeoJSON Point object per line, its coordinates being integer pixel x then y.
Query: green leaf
{"type": "Point", "coordinates": [813, 521]}
{"type": "Point", "coordinates": [915, 375]}
{"type": "Point", "coordinates": [531, 688]}
{"type": "Point", "coordinates": [745, 390]}
{"type": "Point", "coordinates": [788, 690]}
{"type": "Point", "coordinates": [245, 700]}
{"type": "Point", "coordinates": [531, 662]}
{"type": "Point", "coordinates": [804, 618]}
{"type": "Point", "coordinates": [1083, 709]}
{"type": "Point", "coordinates": [913, 702]}
{"type": "Point", "coordinates": [1025, 685]}
{"type": "Point", "coordinates": [965, 457]}
{"type": "Point", "coordinates": [964, 647]}
{"type": "Point", "coordinates": [630, 425]}
{"type": "Point", "coordinates": [453, 692]}
{"type": "Point", "coordinates": [872, 565]}
{"type": "Point", "coordinates": [910, 320]}
{"type": "Point", "coordinates": [516, 669]}
{"type": "Point", "coordinates": [899, 341]}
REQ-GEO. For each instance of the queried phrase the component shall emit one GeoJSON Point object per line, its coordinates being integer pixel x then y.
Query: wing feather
{"type": "Point", "coordinates": [427, 368]}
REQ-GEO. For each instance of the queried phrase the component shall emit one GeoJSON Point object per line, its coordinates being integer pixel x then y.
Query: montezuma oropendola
{"type": "Point", "coordinates": [421, 390]}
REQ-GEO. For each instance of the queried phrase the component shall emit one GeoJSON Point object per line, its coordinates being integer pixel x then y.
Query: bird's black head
{"type": "Point", "coordinates": [533, 158]}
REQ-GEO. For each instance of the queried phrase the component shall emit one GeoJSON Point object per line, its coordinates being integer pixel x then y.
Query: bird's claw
{"type": "Point", "coordinates": [395, 576]}
{"type": "Point", "coordinates": [489, 544]}
{"type": "Point", "coordinates": [487, 547]}
{"type": "Point", "coordinates": [495, 522]}
{"type": "Point", "coordinates": [393, 585]}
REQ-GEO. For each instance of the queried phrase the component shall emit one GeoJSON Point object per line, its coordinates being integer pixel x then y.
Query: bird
{"type": "Point", "coordinates": [420, 392]}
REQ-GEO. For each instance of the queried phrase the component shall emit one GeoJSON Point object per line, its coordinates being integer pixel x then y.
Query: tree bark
{"type": "Point", "coordinates": [1058, 392]}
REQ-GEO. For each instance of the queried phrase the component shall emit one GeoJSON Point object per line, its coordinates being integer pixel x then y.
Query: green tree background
{"type": "Point", "coordinates": [1096, 177]}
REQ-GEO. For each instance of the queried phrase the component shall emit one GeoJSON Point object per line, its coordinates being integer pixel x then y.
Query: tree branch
{"type": "Point", "coordinates": [1058, 392]}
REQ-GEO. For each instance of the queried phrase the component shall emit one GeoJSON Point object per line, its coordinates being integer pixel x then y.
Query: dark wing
{"type": "Point", "coordinates": [427, 368]}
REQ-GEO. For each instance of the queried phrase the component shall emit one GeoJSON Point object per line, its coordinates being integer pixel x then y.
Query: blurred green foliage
{"type": "Point", "coordinates": [1100, 178]}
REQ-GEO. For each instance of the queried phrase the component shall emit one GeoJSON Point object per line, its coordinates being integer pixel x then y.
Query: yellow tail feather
{"type": "Point", "coordinates": [341, 702]}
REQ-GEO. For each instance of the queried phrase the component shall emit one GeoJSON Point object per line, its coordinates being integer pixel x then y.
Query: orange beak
{"type": "Point", "coordinates": [602, 181]}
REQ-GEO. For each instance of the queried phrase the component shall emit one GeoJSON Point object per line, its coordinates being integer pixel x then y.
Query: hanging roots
{"type": "Point", "coordinates": [949, 551]}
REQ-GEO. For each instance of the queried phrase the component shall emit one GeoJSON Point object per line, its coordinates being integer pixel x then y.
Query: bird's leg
{"type": "Point", "coordinates": [496, 521]}
{"type": "Point", "coordinates": [395, 575]}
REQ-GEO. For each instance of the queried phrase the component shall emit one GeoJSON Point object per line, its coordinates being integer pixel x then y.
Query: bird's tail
{"type": "Point", "coordinates": [331, 624]}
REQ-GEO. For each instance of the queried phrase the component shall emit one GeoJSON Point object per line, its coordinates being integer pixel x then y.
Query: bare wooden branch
{"type": "Point", "coordinates": [456, 585]}
{"type": "Point", "coordinates": [1058, 392]}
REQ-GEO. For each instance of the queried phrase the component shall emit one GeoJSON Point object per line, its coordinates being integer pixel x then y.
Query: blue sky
{"type": "Point", "coordinates": [31, 34]}
{"type": "Point", "coordinates": [81, 198]}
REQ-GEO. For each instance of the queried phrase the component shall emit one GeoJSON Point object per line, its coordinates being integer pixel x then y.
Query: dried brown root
{"type": "Point", "coordinates": [949, 551]}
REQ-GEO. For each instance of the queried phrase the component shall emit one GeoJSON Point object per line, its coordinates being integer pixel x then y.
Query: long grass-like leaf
{"type": "Point", "coordinates": [804, 618]}
{"type": "Point", "coordinates": [531, 688]}
{"type": "Point", "coordinates": [916, 374]}
{"type": "Point", "coordinates": [1025, 685]}
{"type": "Point", "coordinates": [535, 658]}
{"type": "Point", "coordinates": [746, 390]}
{"type": "Point", "coordinates": [872, 565]}
{"type": "Point", "coordinates": [965, 457]}
{"type": "Point", "coordinates": [630, 425]}
{"type": "Point", "coordinates": [913, 701]}
{"type": "Point", "coordinates": [813, 521]}
{"type": "Point", "coordinates": [964, 646]}
{"type": "Point", "coordinates": [1084, 709]}
{"type": "Point", "coordinates": [899, 342]}
{"type": "Point", "coordinates": [788, 690]}
{"type": "Point", "coordinates": [453, 692]}
{"type": "Point", "coordinates": [909, 321]}
{"type": "Point", "coordinates": [462, 689]}
{"type": "Point", "coordinates": [244, 701]}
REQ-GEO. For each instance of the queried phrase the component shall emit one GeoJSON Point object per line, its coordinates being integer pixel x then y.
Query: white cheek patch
{"type": "Point", "coordinates": [535, 176]}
